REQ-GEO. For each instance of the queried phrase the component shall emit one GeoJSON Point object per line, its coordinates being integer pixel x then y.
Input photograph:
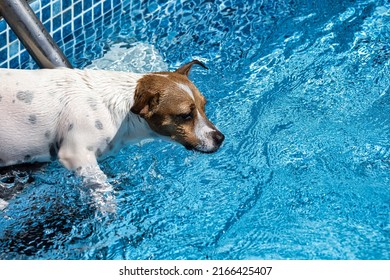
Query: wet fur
{"type": "Point", "coordinates": [80, 116]}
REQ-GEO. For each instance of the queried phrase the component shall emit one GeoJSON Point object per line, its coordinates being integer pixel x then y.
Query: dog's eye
{"type": "Point", "coordinates": [186, 117]}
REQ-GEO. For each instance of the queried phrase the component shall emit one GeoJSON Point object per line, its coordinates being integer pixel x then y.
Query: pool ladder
{"type": "Point", "coordinates": [33, 35]}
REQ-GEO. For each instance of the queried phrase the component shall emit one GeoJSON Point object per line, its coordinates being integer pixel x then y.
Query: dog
{"type": "Point", "coordinates": [82, 116]}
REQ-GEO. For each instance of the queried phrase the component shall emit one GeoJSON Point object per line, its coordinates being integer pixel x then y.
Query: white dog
{"type": "Point", "coordinates": [81, 116]}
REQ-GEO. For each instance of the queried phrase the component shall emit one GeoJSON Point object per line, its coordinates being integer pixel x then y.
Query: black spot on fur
{"type": "Point", "coordinates": [27, 158]}
{"type": "Point", "coordinates": [32, 119]}
{"type": "Point", "coordinates": [90, 148]}
{"type": "Point", "coordinates": [98, 125]}
{"type": "Point", "coordinates": [70, 127]}
{"type": "Point", "coordinates": [92, 103]}
{"type": "Point", "coordinates": [1, 98]}
{"type": "Point", "coordinates": [47, 134]}
{"type": "Point", "coordinates": [25, 96]}
{"type": "Point", "coordinates": [78, 169]}
{"type": "Point", "coordinates": [59, 143]}
{"type": "Point", "coordinates": [53, 151]}
{"type": "Point", "coordinates": [98, 153]}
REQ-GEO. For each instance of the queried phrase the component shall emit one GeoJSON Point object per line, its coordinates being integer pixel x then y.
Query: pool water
{"type": "Point", "coordinates": [301, 90]}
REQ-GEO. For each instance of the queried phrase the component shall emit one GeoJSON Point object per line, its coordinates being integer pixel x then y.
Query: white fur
{"type": "Point", "coordinates": [187, 90]}
{"type": "Point", "coordinates": [202, 132]}
{"type": "Point", "coordinates": [86, 110]}
{"type": "Point", "coordinates": [78, 116]}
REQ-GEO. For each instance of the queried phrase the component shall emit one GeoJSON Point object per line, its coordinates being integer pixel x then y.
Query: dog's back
{"type": "Point", "coordinates": [26, 114]}
{"type": "Point", "coordinates": [39, 107]}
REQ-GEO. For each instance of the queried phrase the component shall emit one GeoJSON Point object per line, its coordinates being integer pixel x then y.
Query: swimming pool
{"type": "Point", "coordinates": [301, 90]}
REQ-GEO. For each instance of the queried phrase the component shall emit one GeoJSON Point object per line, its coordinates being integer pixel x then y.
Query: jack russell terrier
{"type": "Point", "coordinates": [81, 116]}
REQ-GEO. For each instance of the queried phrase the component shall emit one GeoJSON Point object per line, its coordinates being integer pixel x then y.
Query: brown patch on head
{"type": "Point", "coordinates": [173, 107]}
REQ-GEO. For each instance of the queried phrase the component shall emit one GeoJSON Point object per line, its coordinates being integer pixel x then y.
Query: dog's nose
{"type": "Point", "coordinates": [218, 137]}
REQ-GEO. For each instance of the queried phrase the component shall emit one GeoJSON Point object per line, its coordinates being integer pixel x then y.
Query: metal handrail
{"type": "Point", "coordinates": [33, 35]}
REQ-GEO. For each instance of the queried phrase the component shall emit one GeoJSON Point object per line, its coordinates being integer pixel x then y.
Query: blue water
{"type": "Point", "coordinates": [301, 90]}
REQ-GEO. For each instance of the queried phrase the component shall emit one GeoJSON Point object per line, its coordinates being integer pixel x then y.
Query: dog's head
{"type": "Point", "coordinates": [173, 107]}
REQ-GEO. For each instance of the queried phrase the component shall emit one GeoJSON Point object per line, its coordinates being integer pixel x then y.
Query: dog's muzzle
{"type": "Point", "coordinates": [218, 138]}
{"type": "Point", "coordinates": [214, 141]}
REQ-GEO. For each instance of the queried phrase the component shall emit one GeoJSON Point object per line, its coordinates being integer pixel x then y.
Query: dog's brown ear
{"type": "Point", "coordinates": [185, 69]}
{"type": "Point", "coordinates": [145, 101]}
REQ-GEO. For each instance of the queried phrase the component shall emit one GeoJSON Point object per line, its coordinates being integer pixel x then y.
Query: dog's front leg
{"type": "Point", "coordinates": [95, 183]}
{"type": "Point", "coordinates": [94, 180]}
{"type": "Point", "coordinates": [93, 176]}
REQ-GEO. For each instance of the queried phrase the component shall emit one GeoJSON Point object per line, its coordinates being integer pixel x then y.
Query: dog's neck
{"type": "Point", "coordinates": [117, 93]}
{"type": "Point", "coordinates": [118, 96]}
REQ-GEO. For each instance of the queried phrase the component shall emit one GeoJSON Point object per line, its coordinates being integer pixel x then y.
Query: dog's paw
{"type": "Point", "coordinates": [104, 202]}
{"type": "Point", "coordinates": [100, 193]}
{"type": "Point", "coordinates": [101, 197]}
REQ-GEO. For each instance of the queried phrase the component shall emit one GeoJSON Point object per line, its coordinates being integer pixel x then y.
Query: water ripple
{"type": "Point", "coordinates": [301, 91]}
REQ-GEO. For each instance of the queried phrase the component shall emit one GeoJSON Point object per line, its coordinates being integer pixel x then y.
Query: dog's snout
{"type": "Point", "coordinates": [218, 137]}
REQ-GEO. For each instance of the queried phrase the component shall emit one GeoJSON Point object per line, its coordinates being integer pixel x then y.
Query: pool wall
{"type": "Point", "coordinates": [65, 20]}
